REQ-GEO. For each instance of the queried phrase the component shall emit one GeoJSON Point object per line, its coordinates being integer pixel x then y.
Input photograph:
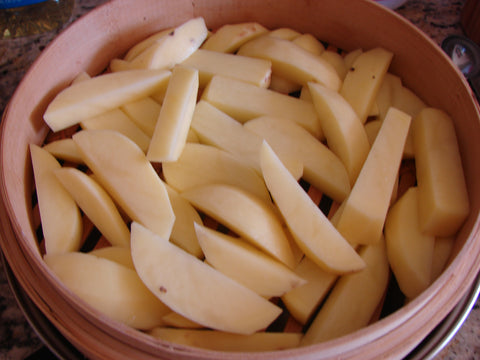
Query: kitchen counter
{"type": "Point", "coordinates": [17, 338]}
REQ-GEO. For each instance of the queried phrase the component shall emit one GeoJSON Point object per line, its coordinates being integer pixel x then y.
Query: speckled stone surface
{"type": "Point", "coordinates": [437, 19]}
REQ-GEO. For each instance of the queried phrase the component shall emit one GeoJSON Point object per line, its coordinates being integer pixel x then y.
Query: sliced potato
{"type": "Point", "coordinates": [173, 124]}
{"type": "Point", "coordinates": [194, 289]}
{"type": "Point", "coordinates": [364, 79]}
{"type": "Point", "coordinates": [54, 203]}
{"type": "Point", "coordinates": [442, 191]}
{"type": "Point", "coordinates": [64, 149]}
{"type": "Point", "coordinates": [99, 94]}
{"type": "Point", "coordinates": [243, 102]}
{"type": "Point", "coordinates": [96, 203]}
{"type": "Point", "coordinates": [113, 289]}
{"type": "Point", "coordinates": [228, 38]}
{"type": "Point", "coordinates": [311, 229]}
{"type": "Point", "coordinates": [366, 207]}
{"type": "Point", "coordinates": [246, 215]}
{"type": "Point", "coordinates": [246, 264]}
{"type": "Point", "coordinates": [291, 61]}
{"type": "Point", "coordinates": [354, 298]}
{"type": "Point", "coordinates": [124, 171]}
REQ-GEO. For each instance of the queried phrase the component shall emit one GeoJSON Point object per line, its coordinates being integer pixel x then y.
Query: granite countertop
{"type": "Point", "coordinates": [437, 18]}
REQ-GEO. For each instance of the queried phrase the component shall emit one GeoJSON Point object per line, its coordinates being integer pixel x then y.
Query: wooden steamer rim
{"type": "Point", "coordinates": [107, 32]}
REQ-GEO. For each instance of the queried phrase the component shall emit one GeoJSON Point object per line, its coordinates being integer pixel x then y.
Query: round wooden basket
{"type": "Point", "coordinates": [109, 31]}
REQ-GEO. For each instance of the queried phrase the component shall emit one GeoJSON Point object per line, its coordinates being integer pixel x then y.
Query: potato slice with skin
{"type": "Point", "coordinates": [114, 290]}
{"type": "Point", "coordinates": [144, 113]}
{"type": "Point", "coordinates": [94, 96]}
{"type": "Point", "coordinates": [366, 207]}
{"type": "Point", "coordinates": [243, 102]}
{"type": "Point", "coordinates": [410, 252]}
{"type": "Point", "coordinates": [64, 149]}
{"type": "Point", "coordinates": [183, 231]}
{"type": "Point", "coordinates": [124, 171]}
{"type": "Point", "coordinates": [54, 202]}
{"type": "Point", "coordinates": [118, 254]}
{"type": "Point", "coordinates": [117, 120]}
{"type": "Point", "coordinates": [343, 130]}
{"type": "Point", "coordinates": [194, 289]}
{"type": "Point", "coordinates": [246, 264]}
{"type": "Point", "coordinates": [244, 68]}
{"type": "Point", "coordinates": [246, 215]}
{"type": "Point", "coordinates": [204, 164]}
{"type": "Point", "coordinates": [354, 298]}
{"type": "Point", "coordinates": [302, 301]}
{"type": "Point", "coordinates": [228, 38]}
{"type": "Point", "coordinates": [364, 78]}
{"type": "Point", "coordinates": [96, 204]}
{"type": "Point", "coordinates": [171, 130]}
{"type": "Point", "coordinates": [139, 47]}
{"type": "Point", "coordinates": [443, 198]}
{"type": "Point", "coordinates": [321, 167]}
{"type": "Point", "coordinates": [216, 128]}
{"type": "Point", "coordinates": [174, 47]}
{"type": "Point", "coordinates": [291, 61]}
{"type": "Point", "coordinates": [311, 229]}
{"type": "Point", "coordinates": [221, 341]}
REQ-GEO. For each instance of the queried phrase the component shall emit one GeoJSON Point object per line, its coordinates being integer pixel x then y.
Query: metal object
{"type": "Point", "coordinates": [465, 54]}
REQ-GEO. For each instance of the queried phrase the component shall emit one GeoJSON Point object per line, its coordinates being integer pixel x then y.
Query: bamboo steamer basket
{"type": "Point", "coordinates": [109, 31]}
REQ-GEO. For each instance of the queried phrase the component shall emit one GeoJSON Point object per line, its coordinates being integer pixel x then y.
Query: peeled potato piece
{"type": "Point", "coordinates": [310, 228]}
{"type": "Point", "coordinates": [194, 289]}
{"type": "Point", "coordinates": [54, 203]}
{"type": "Point", "coordinates": [96, 203]}
{"type": "Point", "coordinates": [354, 298]}
{"type": "Point", "coordinates": [113, 289]}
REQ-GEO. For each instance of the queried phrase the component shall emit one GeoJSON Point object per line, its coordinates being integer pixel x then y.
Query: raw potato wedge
{"type": "Point", "coordinates": [64, 149]}
{"type": "Point", "coordinates": [321, 167]}
{"type": "Point", "coordinates": [309, 43]}
{"type": "Point", "coordinates": [228, 38]}
{"type": "Point", "coordinates": [336, 60]}
{"type": "Point", "coordinates": [246, 264]}
{"type": "Point", "coordinates": [243, 102]}
{"type": "Point", "coordinates": [214, 127]}
{"type": "Point", "coordinates": [113, 289]}
{"type": "Point", "coordinates": [183, 231]}
{"type": "Point", "coordinates": [442, 191]}
{"type": "Point", "coordinates": [244, 68]}
{"type": "Point", "coordinates": [354, 298]}
{"type": "Point", "coordinates": [441, 255]}
{"type": "Point", "coordinates": [302, 301]}
{"type": "Point", "coordinates": [292, 62]}
{"type": "Point", "coordinates": [144, 44]}
{"type": "Point", "coordinates": [118, 254]}
{"type": "Point", "coordinates": [54, 203]}
{"type": "Point", "coordinates": [194, 289]}
{"type": "Point", "coordinates": [173, 124]}
{"type": "Point", "coordinates": [117, 120]}
{"type": "Point", "coordinates": [246, 215]}
{"type": "Point", "coordinates": [96, 203]}
{"type": "Point", "coordinates": [204, 164]}
{"type": "Point", "coordinates": [221, 341]}
{"type": "Point", "coordinates": [144, 113]}
{"type": "Point", "coordinates": [410, 251]}
{"type": "Point", "coordinates": [364, 78]}
{"type": "Point", "coordinates": [124, 171]}
{"type": "Point", "coordinates": [366, 207]}
{"type": "Point", "coordinates": [174, 47]}
{"type": "Point", "coordinates": [311, 229]}
{"type": "Point", "coordinates": [343, 130]}
{"type": "Point", "coordinates": [284, 33]}
{"type": "Point", "coordinates": [99, 94]}
{"type": "Point", "coordinates": [176, 320]}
